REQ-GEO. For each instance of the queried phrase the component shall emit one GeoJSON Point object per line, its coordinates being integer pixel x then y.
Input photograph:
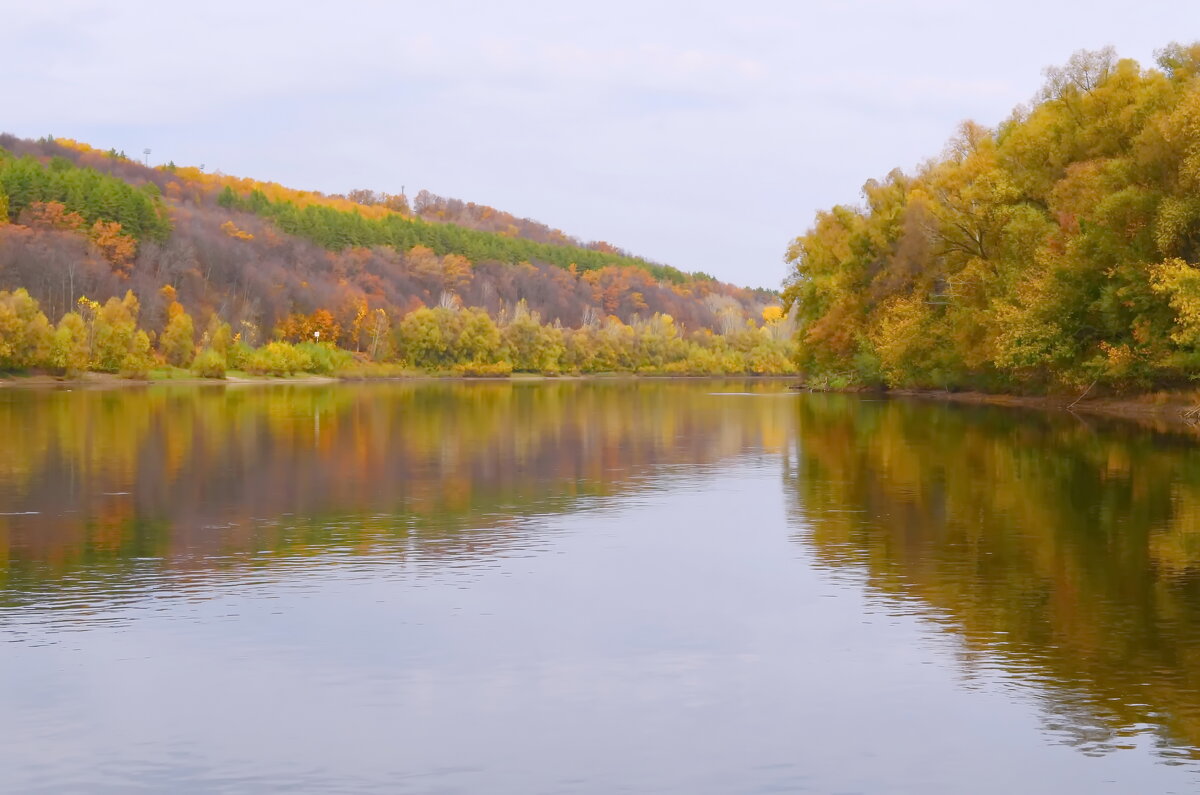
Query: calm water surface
{"type": "Point", "coordinates": [599, 587]}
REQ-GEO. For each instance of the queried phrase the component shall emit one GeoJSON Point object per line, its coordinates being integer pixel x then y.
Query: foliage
{"type": "Point", "coordinates": [69, 351]}
{"type": "Point", "coordinates": [436, 339]}
{"type": "Point", "coordinates": [25, 334]}
{"type": "Point", "coordinates": [324, 358]}
{"type": "Point", "coordinates": [178, 341]}
{"type": "Point", "coordinates": [237, 355]}
{"type": "Point", "coordinates": [93, 222]}
{"type": "Point", "coordinates": [209, 363]}
{"type": "Point", "coordinates": [113, 332]}
{"type": "Point", "coordinates": [483, 369]}
{"type": "Point", "coordinates": [337, 229]}
{"type": "Point", "coordinates": [530, 346]}
{"type": "Point", "coordinates": [138, 361]}
{"type": "Point", "coordinates": [446, 339]}
{"type": "Point", "coordinates": [1057, 250]}
{"type": "Point", "coordinates": [279, 358]}
{"type": "Point", "coordinates": [318, 326]}
{"type": "Point", "coordinates": [95, 197]}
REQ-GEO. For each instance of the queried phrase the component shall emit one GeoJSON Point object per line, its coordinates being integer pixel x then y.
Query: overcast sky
{"type": "Point", "coordinates": [704, 135]}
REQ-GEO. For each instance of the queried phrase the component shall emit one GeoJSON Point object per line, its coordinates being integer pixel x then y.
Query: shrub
{"type": "Point", "coordinates": [279, 358]}
{"type": "Point", "coordinates": [209, 364]}
{"type": "Point", "coordinates": [483, 369]}
{"type": "Point", "coordinates": [237, 357]}
{"type": "Point", "coordinates": [324, 358]}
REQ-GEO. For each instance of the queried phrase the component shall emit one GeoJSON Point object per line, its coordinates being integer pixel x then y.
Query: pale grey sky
{"type": "Point", "coordinates": [704, 135]}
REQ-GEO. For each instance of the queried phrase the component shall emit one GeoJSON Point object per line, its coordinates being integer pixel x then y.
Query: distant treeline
{"type": "Point", "coordinates": [1059, 250]}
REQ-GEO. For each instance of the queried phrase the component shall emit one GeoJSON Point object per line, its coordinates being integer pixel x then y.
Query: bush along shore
{"type": "Point", "coordinates": [114, 338]}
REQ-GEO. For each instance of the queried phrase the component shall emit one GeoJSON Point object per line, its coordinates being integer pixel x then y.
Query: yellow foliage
{"type": "Point", "coordinates": [231, 229]}
{"type": "Point", "coordinates": [1179, 282]}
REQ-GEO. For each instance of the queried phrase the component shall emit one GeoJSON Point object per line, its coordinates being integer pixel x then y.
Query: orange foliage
{"type": "Point", "coordinates": [118, 248]}
{"type": "Point", "coordinates": [423, 261]}
{"type": "Point", "coordinates": [302, 328]}
{"type": "Point", "coordinates": [51, 215]}
{"type": "Point", "coordinates": [214, 183]}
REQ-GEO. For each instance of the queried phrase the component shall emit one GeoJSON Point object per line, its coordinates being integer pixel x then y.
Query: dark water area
{"type": "Point", "coordinates": [591, 587]}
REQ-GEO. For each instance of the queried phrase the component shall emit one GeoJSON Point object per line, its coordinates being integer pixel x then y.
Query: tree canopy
{"type": "Point", "coordinates": [1059, 249]}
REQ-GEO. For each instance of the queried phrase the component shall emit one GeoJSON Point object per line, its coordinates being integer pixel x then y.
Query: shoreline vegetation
{"type": "Point", "coordinates": [75, 220]}
{"type": "Point", "coordinates": [447, 340]}
{"type": "Point", "coordinates": [1058, 253]}
{"type": "Point", "coordinates": [170, 273]}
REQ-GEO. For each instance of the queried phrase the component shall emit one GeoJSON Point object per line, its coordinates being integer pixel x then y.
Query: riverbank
{"type": "Point", "coordinates": [1160, 409]}
{"type": "Point", "coordinates": [113, 381]}
{"type": "Point", "coordinates": [92, 380]}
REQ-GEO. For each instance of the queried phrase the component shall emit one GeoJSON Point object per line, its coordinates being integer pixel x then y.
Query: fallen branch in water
{"type": "Point", "coordinates": [1081, 397]}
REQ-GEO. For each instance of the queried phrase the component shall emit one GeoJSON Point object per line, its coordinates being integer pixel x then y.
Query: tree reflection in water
{"type": "Point", "coordinates": [1065, 553]}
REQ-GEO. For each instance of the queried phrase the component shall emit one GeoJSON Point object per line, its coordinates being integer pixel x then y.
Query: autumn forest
{"type": "Point", "coordinates": [109, 265]}
{"type": "Point", "coordinates": [1057, 250]}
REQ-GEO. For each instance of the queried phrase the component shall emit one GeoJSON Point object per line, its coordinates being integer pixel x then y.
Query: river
{"type": "Point", "coordinates": [591, 587]}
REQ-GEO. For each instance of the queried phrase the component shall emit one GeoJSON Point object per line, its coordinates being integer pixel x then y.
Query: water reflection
{"type": "Point", "coordinates": [589, 587]}
{"type": "Point", "coordinates": [112, 491]}
{"type": "Point", "coordinates": [1066, 554]}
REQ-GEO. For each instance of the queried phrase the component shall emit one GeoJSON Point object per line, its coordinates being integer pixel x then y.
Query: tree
{"type": "Point", "coordinates": [530, 346]}
{"type": "Point", "coordinates": [218, 336]}
{"type": "Point", "coordinates": [113, 330]}
{"type": "Point", "coordinates": [138, 361]}
{"type": "Point", "coordinates": [178, 340]}
{"type": "Point", "coordinates": [116, 247]}
{"type": "Point", "coordinates": [25, 334]}
{"type": "Point", "coordinates": [69, 351]}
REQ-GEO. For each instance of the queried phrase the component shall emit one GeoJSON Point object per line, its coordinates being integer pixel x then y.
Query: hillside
{"type": "Point", "coordinates": [257, 251]}
{"type": "Point", "coordinates": [1057, 251]}
{"type": "Point", "coordinates": [93, 234]}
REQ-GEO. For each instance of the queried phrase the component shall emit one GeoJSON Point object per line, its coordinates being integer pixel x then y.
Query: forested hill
{"type": "Point", "coordinates": [78, 221]}
{"type": "Point", "coordinates": [1058, 250]}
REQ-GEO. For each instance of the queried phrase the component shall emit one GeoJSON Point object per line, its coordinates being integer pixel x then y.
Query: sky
{"type": "Point", "coordinates": [702, 135]}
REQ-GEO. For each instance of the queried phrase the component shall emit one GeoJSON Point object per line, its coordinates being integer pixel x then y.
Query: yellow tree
{"type": "Point", "coordinates": [25, 334]}
{"type": "Point", "coordinates": [178, 340]}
